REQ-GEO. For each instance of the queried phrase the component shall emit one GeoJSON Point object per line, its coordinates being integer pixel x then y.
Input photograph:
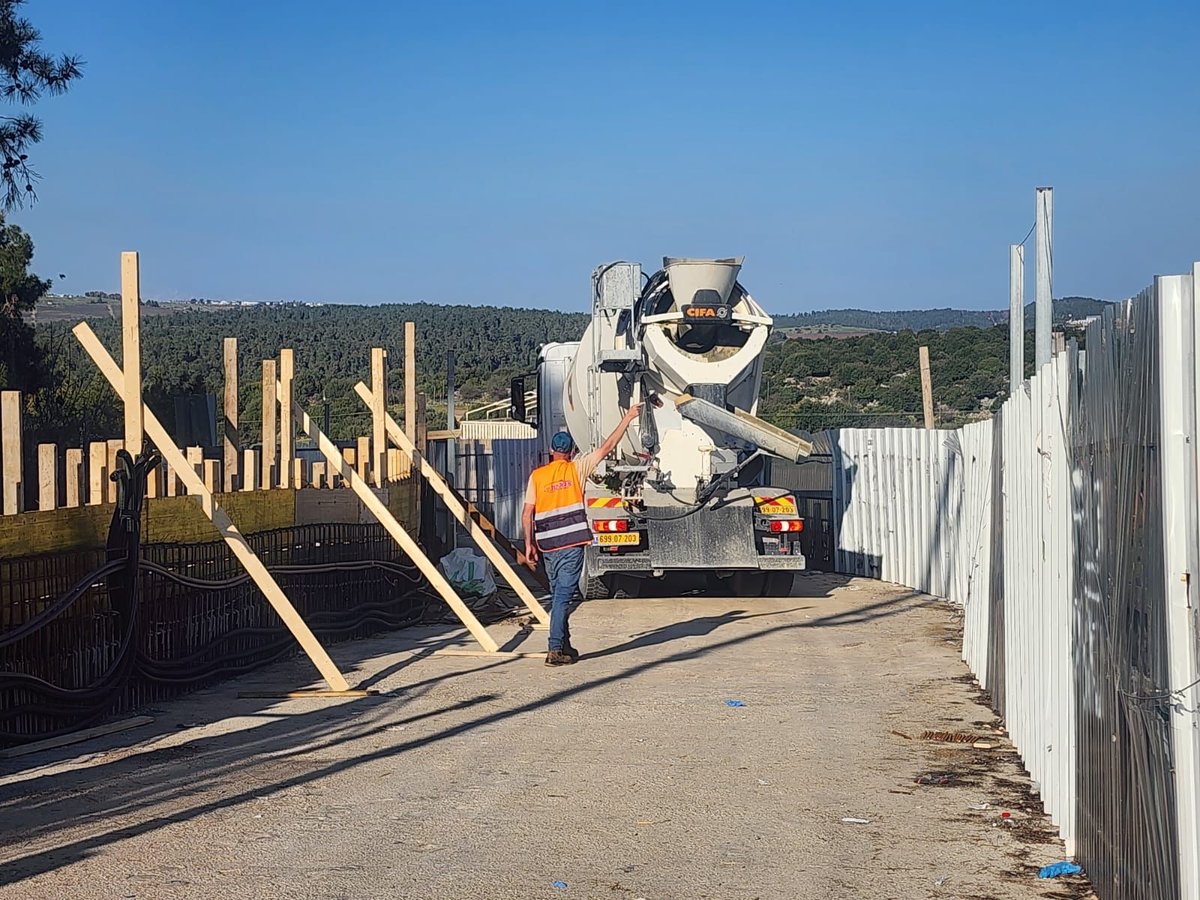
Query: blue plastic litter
{"type": "Point", "coordinates": [1059, 868]}
{"type": "Point", "coordinates": [735, 703]}
{"type": "Point", "coordinates": [561, 885]}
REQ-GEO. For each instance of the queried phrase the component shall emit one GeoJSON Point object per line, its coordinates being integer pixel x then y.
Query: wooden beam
{"type": "Point", "coordinates": [216, 513]}
{"type": "Point", "coordinates": [97, 471]}
{"type": "Point", "coordinates": [396, 530]}
{"type": "Point", "coordinates": [410, 380]}
{"type": "Point", "coordinates": [459, 511]}
{"type": "Point", "coordinates": [299, 472]}
{"type": "Point", "coordinates": [318, 475]}
{"type": "Point", "coordinates": [170, 481]}
{"type": "Point", "coordinates": [195, 458]}
{"type": "Point", "coordinates": [110, 486]}
{"type": "Point", "coordinates": [251, 469]}
{"type": "Point", "coordinates": [287, 430]}
{"type": "Point", "coordinates": [153, 480]}
{"type": "Point", "coordinates": [926, 387]}
{"type": "Point", "coordinates": [11, 486]}
{"type": "Point", "coordinates": [363, 458]}
{"type": "Point", "coordinates": [269, 435]}
{"type": "Point", "coordinates": [379, 460]}
{"type": "Point", "coordinates": [394, 455]}
{"type": "Point", "coordinates": [232, 441]}
{"type": "Point", "coordinates": [73, 476]}
{"type": "Point", "coordinates": [47, 476]}
{"type": "Point", "coordinates": [212, 475]}
{"type": "Point", "coordinates": [131, 349]}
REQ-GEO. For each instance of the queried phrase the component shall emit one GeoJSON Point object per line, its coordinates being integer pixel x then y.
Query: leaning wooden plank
{"type": "Point", "coordinates": [10, 451]}
{"type": "Point", "coordinates": [379, 509]}
{"type": "Point", "coordinates": [76, 737]}
{"type": "Point", "coordinates": [305, 695]}
{"type": "Point", "coordinates": [237, 543]}
{"type": "Point", "coordinates": [459, 511]}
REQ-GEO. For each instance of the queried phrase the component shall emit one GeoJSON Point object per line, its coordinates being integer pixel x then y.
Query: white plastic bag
{"type": "Point", "coordinates": [468, 572]}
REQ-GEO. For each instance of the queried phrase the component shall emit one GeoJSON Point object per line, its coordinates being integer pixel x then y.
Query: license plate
{"type": "Point", "coordinates": [778, 506]}
{"type": "Point", "coordinates": [620, 538]}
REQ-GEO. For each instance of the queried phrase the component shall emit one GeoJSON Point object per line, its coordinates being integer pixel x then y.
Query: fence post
{"type": "Point", "coordinates": [287, 429]}
{"type": "Point", "coordinates": [1043, 309]}
{"type": "Point", "coordinates": [47, 476]}
{"type": "Point", "coordinates": [269, 437]}
{"type": "Point", "coordinates": [73, 476]}
{"type": "Point", "coordinates": [10, 452]}
{"type": "Point", "coordinates": [232, 441]}
{"type": "Point", "coordinates": [379, 456]}
{"type": "Point", "coordinates": [926, 387]}
{"type": "Point", "coordinates": [1179, 394]}
{"type": "Point", "coordinates": [410, 380]}
{"type": "Point", "coordinates": [1016, 317]}
{"type": "Point", "coordinates": [131, 351]}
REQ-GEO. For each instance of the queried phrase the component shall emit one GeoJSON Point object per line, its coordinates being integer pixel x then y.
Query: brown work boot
{"type": "Point", "coordinates": [571, 652]}
{"type": "Point", "coordinates": [558, 658]}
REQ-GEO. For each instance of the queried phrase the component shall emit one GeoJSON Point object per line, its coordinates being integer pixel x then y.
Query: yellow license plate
{"type": "Point", "coordinates": [782, 506]}
{"type": "Point", "coordinates": [619, 538]}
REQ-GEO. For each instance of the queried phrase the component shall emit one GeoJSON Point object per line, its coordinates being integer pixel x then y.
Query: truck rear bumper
{"type": "Point", "coordinates": [598, 562]}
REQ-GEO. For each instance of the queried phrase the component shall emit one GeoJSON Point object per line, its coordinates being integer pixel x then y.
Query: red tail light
{"type": "Point", "coordinates": [778, 525]}
{"type": "Point", "coordinates": [611, 524]}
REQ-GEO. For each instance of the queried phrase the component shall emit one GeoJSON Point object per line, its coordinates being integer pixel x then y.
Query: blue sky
{"type": "Point", "coordinates": [880, 155]}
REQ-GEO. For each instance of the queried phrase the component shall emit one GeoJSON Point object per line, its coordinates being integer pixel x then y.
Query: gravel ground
{"type": "Point", "coordinates": [626, 776]}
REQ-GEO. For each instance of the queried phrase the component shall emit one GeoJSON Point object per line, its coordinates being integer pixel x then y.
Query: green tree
{"type": "Point", "coordinates": [26, 73]}
{"type": "Point", "coordinates": [20, 361]}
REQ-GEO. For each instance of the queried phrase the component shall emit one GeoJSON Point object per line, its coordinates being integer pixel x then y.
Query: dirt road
{"type": "Point", "coordinates": [628, 775]}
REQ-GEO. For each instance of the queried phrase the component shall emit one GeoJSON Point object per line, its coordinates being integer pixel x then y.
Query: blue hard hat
{"type": "Point", "coordinates": [562, 443]}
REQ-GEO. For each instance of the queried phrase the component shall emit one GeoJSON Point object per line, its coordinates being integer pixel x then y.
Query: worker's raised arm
{"type": "Point", "coordinates": [619, 432]}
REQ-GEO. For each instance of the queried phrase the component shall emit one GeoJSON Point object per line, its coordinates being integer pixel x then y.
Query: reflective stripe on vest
{"type": "Point", "coordinates": [560, 520]}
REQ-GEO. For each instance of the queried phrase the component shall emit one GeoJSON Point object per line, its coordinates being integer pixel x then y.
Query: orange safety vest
{"type": "Point", "coordinates": [558, 512]}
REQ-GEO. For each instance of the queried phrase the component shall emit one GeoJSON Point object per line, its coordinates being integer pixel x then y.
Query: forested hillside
{"type": "Point", "coordinates": [811, 384]}
{"type": "Point", "coordinates": [1065, 308]}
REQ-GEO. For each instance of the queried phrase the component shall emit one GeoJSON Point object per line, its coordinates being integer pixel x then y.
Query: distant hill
{"type": "Point", "coordinates": [935, 319]}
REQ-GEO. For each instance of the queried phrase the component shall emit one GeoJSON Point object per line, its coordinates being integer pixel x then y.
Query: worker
{"type": "Point", "coordinates": [556, 526]}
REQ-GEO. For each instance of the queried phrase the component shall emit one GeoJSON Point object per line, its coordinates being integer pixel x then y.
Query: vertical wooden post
{"type": "Point", "coordinates": [410, 380]}
{"type": "Point", "coordinates": [110, 489]}
{"type": "Point", "coordinates": [299, 467]}
{"type": "Point", "coordinates": [170, 481]}
{"type": "Point", "coordinates": [926, 387]}
{"type": "Point", "coordinates": [269, 437]}
{"type": "Point", "coordinates": [10, 452]}
{"type": "Point", "coordinates": [153, 479]}
{"type": "Point", "coordinates": [349, 455]}
{"type": "Point", "coordinates": [318, 475]}
{"type": "Point", "coordinates": [212, 475]}
{"type": "Point", "coordinates": [250, 470]}
{"type": "Point", "coordinates": [195, 458]}
{"type": "Point", "coordinates": [97, 471]}
{"type": "Point", "coordinates": [74, 478]}
{"type": "Point", "coordinates": [287, 430]}
{"type": "Point", "coordinates": [47, 476]}
{"type": "Point", "coordinates": [394, 457]}
{"type": "Point", "coordinates": [364, 458]}
{"type": "Point", "coordinates": [379, 456]}
{"type": "Point", "coordinates": [422, 443]}
{"type": "Point", "coordinates": [131, 350]}
{"type": "Point", "coordinates": [232, 441]}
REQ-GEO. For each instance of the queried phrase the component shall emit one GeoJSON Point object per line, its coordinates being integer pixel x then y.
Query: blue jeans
{"type": "Point", "coordinates": [563, 568]}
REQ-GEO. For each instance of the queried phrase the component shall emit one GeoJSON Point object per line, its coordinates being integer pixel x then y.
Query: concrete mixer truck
{"type": "Point", "coordinates": [685, 497]}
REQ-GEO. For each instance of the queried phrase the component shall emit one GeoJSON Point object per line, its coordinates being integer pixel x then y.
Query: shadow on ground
{"type": "Point", "coordinates": [138, 781]}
